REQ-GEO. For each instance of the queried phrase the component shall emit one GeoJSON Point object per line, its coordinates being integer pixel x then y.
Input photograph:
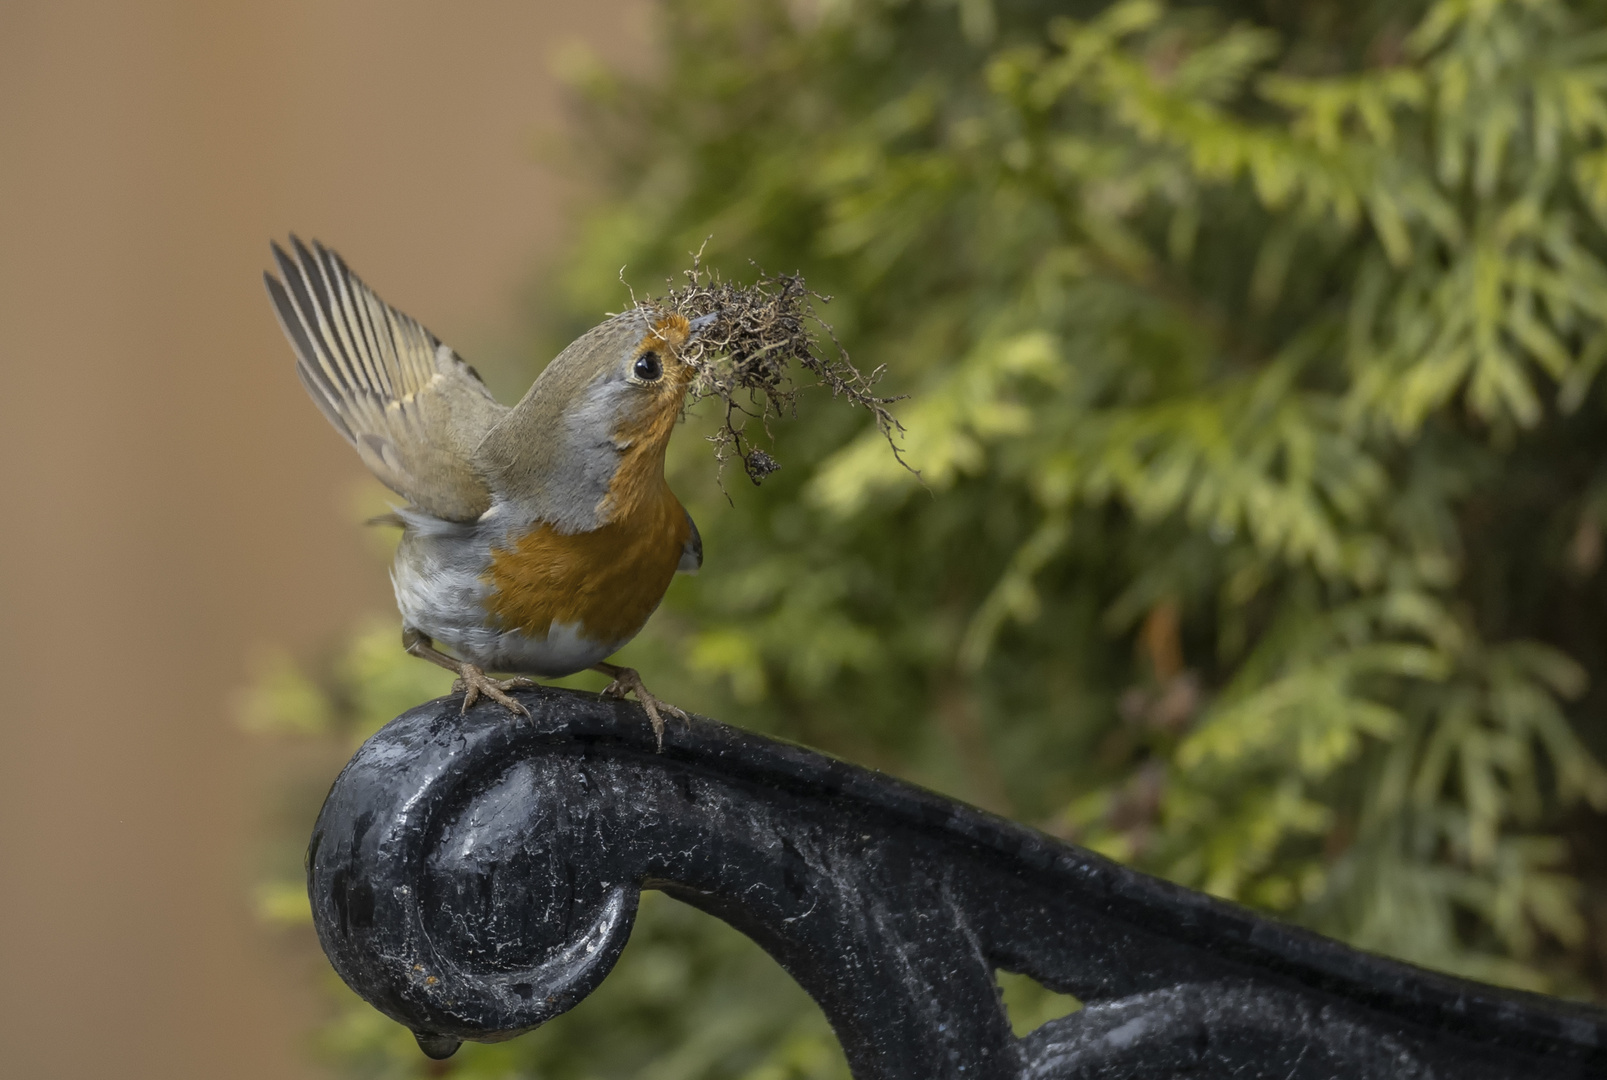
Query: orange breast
{"type": "Point", "coordinates": [608, 580]}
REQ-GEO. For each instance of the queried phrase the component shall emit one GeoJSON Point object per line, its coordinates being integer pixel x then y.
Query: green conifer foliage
{"type": "Point", "coordinates": [1252, 353]}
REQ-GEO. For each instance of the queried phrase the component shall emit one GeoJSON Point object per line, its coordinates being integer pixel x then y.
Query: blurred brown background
{"type": "Point", "coordinates": [171, 500]}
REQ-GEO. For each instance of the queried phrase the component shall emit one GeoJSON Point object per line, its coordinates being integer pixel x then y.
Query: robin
{"type": "Point", "coordinates": [537, 539]}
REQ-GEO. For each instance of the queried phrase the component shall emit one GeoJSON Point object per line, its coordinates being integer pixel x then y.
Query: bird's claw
{"type": "Point", "coordinates": [472, 683]}
{"type": "Point", "coordinates": [628, 681]}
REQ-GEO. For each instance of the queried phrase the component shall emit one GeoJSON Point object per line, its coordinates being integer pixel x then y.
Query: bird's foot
{"type": "Point", "coordinates": [629, 681]}
{"type": "Point", "coordinates": [472, 683]}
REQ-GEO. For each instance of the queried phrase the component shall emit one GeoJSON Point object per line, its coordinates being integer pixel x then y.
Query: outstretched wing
{"type": "Point", "coordinates": [412, 408]}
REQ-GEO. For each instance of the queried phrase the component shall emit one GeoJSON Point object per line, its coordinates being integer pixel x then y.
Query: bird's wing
{"type": "Point", "coordinates": [692, 550]}
{"type": "Point", "coordinates": [412, 408]}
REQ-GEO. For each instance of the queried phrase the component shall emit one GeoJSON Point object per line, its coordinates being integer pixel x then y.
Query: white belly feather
{"type": "Point", "coordinates": [440, 589]}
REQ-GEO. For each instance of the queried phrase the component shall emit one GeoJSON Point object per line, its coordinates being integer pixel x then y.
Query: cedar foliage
{"type": "Point", "coordinates": [1252, 353]}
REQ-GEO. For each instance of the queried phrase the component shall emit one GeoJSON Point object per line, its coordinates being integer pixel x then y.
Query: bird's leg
{"type": "Point", "coordinates": [628, 681]}
{"type": "Point", "coordinates": [471, 680]}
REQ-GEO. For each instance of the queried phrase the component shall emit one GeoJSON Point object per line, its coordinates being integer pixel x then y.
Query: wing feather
{"type": "Point", "coordinates": [411, 407]}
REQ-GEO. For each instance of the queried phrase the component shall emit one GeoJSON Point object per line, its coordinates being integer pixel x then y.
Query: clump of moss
{"type": "Point", "coordinates": [747, 354]}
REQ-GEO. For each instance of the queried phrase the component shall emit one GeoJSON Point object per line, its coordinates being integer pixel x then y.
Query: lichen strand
{"type": "Point", "coordinates": [745, 359]}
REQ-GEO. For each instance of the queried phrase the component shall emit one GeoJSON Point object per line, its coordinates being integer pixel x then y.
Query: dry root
{"type": "Point", "coordinates": [745, 359]}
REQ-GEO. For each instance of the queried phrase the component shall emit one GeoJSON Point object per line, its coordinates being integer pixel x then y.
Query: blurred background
{"type": "Point", "coordinates": [1252, 350]}
{"type": "Point", "coordinates": [174, 506]}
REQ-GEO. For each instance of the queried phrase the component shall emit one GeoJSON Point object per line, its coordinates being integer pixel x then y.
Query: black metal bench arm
{"type": "Point", "coordinates": [475, 876]}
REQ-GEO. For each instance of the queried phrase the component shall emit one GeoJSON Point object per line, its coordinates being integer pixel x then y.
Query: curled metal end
{"type": "Point", "coordinates": [437, 1047]}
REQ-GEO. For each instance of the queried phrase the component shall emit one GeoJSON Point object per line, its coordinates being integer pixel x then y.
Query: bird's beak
{"type": "Point", "coordinates": [698, 324]}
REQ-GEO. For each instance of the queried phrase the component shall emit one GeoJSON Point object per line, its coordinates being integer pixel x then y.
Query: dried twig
{"type": "Point", "coordinates": [744, 358]}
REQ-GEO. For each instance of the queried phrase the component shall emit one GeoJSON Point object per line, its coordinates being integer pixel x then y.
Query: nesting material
{"type": "Point", "coordinates": [746, 357]}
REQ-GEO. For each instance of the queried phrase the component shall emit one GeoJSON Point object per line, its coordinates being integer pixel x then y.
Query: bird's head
{"type": "Point", "coordinates": [623, 383]}
{"type": "Point", "coordinates": [594, 428]}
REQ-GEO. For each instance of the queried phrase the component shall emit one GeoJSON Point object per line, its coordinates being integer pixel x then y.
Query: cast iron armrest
{"type": "Point", "coordinates": [474, 876]}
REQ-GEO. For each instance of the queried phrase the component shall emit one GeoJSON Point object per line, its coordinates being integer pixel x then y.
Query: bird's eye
{"type": "Point", "coordinates": [648, 369]}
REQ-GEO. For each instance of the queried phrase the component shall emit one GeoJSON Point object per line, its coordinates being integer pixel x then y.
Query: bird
{"type": "Point", "coordinates": [537, 539]}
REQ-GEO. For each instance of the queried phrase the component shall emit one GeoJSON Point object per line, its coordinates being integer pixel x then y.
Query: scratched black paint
{"type": "Point", "coordinates": [473, 877]}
